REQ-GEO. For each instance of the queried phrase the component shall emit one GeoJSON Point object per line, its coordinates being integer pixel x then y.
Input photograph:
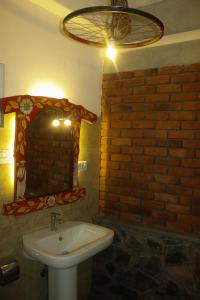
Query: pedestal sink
{"type": "Point", "coordinates": [63, 250]}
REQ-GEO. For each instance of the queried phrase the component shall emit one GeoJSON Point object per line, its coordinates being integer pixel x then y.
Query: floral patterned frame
{"type": "Point", "coordinates": [26, 107]}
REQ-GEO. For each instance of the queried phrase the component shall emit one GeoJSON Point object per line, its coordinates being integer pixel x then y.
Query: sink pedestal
{"type": "Point", "coordinates": [62, 284]}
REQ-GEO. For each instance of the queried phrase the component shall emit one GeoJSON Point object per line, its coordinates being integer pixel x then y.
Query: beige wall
{"type": "Point", "coordinates": [35, 52]}
{"type": "Point", "coordinates": [12, 228]}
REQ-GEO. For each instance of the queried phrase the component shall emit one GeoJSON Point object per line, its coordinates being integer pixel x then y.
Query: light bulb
{"type": "Point", "coordinates": [111, 53]}
{"type": "Point", "coordinates": [67, 122]}
{"type": "Point", "coordinates": [56, 123]}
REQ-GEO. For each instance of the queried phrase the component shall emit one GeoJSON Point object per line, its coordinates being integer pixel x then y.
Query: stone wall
{"type": "Point", "coordinates": [31, 286]}
{"type": "Point", "coordinates": [150, 147]}
{"type": "Point", "coordinates": [145, 264]}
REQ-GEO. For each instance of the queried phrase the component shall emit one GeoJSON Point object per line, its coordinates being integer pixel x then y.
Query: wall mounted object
{"type": "Point", "coordinates": [27, 108]}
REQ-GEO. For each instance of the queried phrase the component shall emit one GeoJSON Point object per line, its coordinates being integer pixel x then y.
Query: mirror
{"type": "Point", "coordinates": [49, 156]}
{"type": "Point", "coordinates": [46, 156]}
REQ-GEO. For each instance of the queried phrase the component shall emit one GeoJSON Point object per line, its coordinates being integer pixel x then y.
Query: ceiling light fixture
{"type": "Point", "coordinates": [118, 25]}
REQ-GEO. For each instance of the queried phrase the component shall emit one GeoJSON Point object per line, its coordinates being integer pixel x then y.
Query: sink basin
{"type": "Point", "coordinates": [73, 243]}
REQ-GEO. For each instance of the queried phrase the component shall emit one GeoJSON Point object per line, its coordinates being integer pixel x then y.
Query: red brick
{"type": "Point", "coordinates": [142, 124]}
{"type": "Point", "coordinates": [134, 133]}
{"type": "Point", "coordinates": [134, 116]}
{"type": "Point", "coordinates": [121, 108]}
{"type": "Point", "coordinates": [130, 200]}
{"type": "Point", "coordinates": [133, 82]}
{"type": "Point", "coordinates": [109, 76]}
{"type": "Point", "coordinates": [147, 72]}
{"type": "Point", "coordinates": [191, 144]}
{"type": "Point", "coordinates": [131, 167]}
{"type": "Point", "coordinates": [191, 125]}
{"type": "Point", "coordinates": [168, 106]}
{"type": "Point", "coordinates": [192, 67]}
{"type": "Point", "coordinates": [110, 165]}
{"type": "Point", "coordinates": [120, 157]}
{"type": "Point", "coordinates": [114, 100]}
{"type": "Point", "coordinates": [184, 200]}
{"type": "Point", "coordinates": [182, 153]}
{"type": "Point", "coordinates": [103, 188]}
{"type": "Point", "coordinates": [163, 215]}
{"type": "Point", "coordinates": [144, 142]}
{"type": "Point", "coordinates": [191, 163]}
{"type": "Point", "coordinates": [169, 88]}
{"type": "Point", "coordinates": [120, 174]}
{"type": "Point", "coordinates": [181, 172]}
{"type": "Point", "coordinates": [165, 197]}
{"type": "Point", "coordinates": [124, 75]}
{"type": "Point", "coordinates": [143, 90]}
{"type": "Point", "coordinates": [181, 134]}
{"type": "Point", "coordinates": [158, 79]}
{"type": "Point", "coordinates": [143, 159]}
{"type": "Point", "coordinates": [168, 125]}
{"type": "Point", "coordinates": [177, 227]}
{"type": "Point", "coordinates": [132, 150]}
{"type": "Point", "coordinates": [170, 70]}
{"type": "Point", "coordinates": [139, 210]}
{"type": "Point", "coordinates": [166, 179]}
{"type": "Point", "coordinates": [157, 98]}
{"type": "Point", "coordinates": [191, 106]}
{"type": "Point", "coordinates": [167, 161]}
{"type": "Point", "coordinates": [191, 182]}
{"type": "Point", "coordinates": [155, 151]}
{"type": "Point", "coordinates": [152, 204]}
{"type": "Point", "coordinates": [121, 142]}
{"type": "Point", "coordinates": [105, 156]}
{"type": "Point", "coordinates": [112, 84]}
{"type": "Point", "coordinates": [143, 194]}
{"type": "Point", "coordinates": [130, 217]}
{"type": "Point", "coordinates": [176, 189]}
{"type": "Point", "coordinates": [156, 169]}
{"type": "Point", "coordinates": [155, 133]}
{"type": "Point", "coordinates": [116, 116]}
{"type": "Point", "coordinates": [110, 149]}
{"type": "Point", "coordinates": [133, 99]}
{"type": "Point", "coordinates": [198, 154]}
{"type": "Point", "coordinates": [197, 193]}
{"type": "Point", "coordinates": [153, 222]}
{"type": "Point", "coordinates": [120, 92]}
{"type": "Point", "coordinates": [168, 143]}
{"type": "Point", "coordinates": [184, 97]}
{"type": "Point", "coordinates": [191, 87]}
{"type": "Point", "coordinates": [121, 124]}
{"type": "Point", "coordinates": [178, 208]}
{"type": "Point", "coordinates": [194, 220]}
{"type": "Point", "coordinates": [157, 187]}
{"type": "Point", "coordinates": [185, 77]}
{"type": "Point", "coordinates": [156, 115]}
{"type": "Point", "coordinates": [144, 107]}
{"type": "Point", "coordinates": [110, 132]}
{"type": "Point", "coordinates": [141, 177]}
{"type": "Point", "coordinates": [182, 115]}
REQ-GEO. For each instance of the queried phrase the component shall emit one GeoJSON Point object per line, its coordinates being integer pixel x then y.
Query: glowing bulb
{"type": "Point", "coordinates": [111, 53]}
{"type": "Point", "coordinates": [67, 122]}
{"type": "Point", "coordinates": [56, 123]}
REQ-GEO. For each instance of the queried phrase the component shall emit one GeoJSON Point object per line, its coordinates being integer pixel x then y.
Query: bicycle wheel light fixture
{"type": "Point", "coordinates": [113, 26]}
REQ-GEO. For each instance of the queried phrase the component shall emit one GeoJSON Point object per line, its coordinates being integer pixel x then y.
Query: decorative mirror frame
{"type": "Point", "coordinates": [26, 107]}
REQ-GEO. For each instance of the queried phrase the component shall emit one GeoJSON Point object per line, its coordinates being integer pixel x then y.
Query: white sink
{"type": "Point", "coordinates": [73, 243]}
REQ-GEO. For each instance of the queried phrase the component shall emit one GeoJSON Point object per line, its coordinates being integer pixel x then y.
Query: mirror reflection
{"type": "Point", "coordinates": [49, 158]}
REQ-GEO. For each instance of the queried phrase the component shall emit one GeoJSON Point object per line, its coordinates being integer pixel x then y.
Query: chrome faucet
{"type": "Point", "coordinates": [55, 220]}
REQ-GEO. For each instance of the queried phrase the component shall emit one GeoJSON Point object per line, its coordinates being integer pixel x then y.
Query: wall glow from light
{"type": "Point", "coordinates": [11, 150]}
{"type": "Point", "coordinates": [46, 89]}
{"type": "Point", "coordinates": [7, 174]}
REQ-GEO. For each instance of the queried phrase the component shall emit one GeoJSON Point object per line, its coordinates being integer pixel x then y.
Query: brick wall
{"type": "Point", "coordinates": [150, 147]}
